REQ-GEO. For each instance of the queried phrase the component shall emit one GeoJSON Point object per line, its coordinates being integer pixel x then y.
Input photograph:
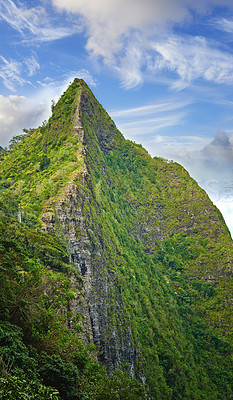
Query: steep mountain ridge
{"type": "Point", "coordinates": [69, 213]}
{"type": "Point", "coordinates": [154, 253]}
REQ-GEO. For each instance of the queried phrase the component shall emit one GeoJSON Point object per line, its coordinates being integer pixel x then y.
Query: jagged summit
{"type": "Point", "coordinates": [80, 105]}
{"type": "Point", "coordinates": [153, 253]}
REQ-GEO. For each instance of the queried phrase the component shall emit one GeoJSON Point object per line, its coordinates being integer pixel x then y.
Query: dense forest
{"type": "Point", "coordinates": [98, 236]}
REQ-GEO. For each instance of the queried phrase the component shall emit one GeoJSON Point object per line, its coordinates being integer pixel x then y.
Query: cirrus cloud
{"type": "Point", "coordinates": [126, 34]}
{"type": "Point", "coordinates": [192, 58]}
{"type": "Point", "coordinates": [13, 74]}
{"type": "Point", "coordinates": [34, 23]}
{"type": "Point", "coordinates": [10, 72]}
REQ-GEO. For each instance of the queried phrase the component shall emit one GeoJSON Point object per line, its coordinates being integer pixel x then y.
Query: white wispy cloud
{"type": "Point", "coordinates": [83, 74]}
{"type": "Point", "coordinates": [34, 24]}
{"type": "Point", "coordinates": [151, 118]}
{"type": "Point", "coordinates": [117, 30]}
{"type": "Point", "coordinates": [66, 79]}
{"type": "Point", "coordinates": [121, 31]}
{"type": "Point", "coordinates": [131, 62]}
{"type": "Point", "coordinates": [109, 22]}
{"type": "Point", "coordinates": [150, 126]}
{"type": "Point", "coordinates": [176, 147]}
{"type": "Point", "coordinates": [32, 65]}
{"type": "Point", "coordinates": [150, 109]}
{"type": "Point", "coordinates": [181, 140]}
{"type": "Point", "coordinates": [152, 121]}
{"type": "Point", "coordinates": [223, 24]}
{"type": "Point", "coordinates": [192, 58]}
{"type": "Point", "coordinates": [10, 72]}
{"type": "Point", "coordinates": [13, 72]}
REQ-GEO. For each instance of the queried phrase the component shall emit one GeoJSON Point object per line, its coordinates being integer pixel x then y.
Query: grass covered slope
{"type": "Point", "coordinates": [160, 252]}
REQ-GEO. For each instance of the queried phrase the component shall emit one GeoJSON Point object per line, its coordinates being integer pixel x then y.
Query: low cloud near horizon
{"type": "Point", "coordinates": [212, 168]}
{"type": "Point", "coordinates": [214, 159]}
{"type": "Point", "coordinates": [17, 113]}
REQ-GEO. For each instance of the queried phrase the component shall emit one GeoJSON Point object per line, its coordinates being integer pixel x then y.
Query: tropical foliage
{"type": "Point", "coordinates": [163, 245]}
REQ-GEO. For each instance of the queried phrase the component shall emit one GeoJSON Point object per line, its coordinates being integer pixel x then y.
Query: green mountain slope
{"type": "Point", "coordinates": [154, 253]}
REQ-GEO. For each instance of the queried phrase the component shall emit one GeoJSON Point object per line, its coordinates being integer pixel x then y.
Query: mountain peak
{"type": "Point", "coordinates": [82, 114]}
{"type": "Point", "coordinates": [153, 252]}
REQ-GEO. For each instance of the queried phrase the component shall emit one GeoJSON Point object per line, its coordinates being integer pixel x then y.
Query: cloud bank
{"type": "Point", "coordinates": [220, 151]}
{"type": "Point", "coordinates": [215, 159]}
{"type": "Point", "coordinates": [16, 113]}
{"type": "Point", "coordinates": [212, 167]}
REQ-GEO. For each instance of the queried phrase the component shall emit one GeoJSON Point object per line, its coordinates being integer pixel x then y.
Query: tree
{"type": "Point", "coordinates": [53, 103]}
{"type": "Point", "coordinates": [15, 140]}
{"type": "Point", "coordinates": [15, 388]}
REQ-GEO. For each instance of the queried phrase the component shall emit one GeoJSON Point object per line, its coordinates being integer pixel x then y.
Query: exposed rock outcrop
{"type": "Point", "coordinates": [66, 216]}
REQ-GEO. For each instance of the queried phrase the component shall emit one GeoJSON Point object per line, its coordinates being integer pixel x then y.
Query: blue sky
{"type": "Point", "coordinates": [163, 70]}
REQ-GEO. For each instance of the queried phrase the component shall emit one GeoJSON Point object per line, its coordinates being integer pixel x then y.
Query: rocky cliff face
{"type": "Point", "coordinates": [66, 214]}
{"type": "Point", "coordinates": [153, 252]}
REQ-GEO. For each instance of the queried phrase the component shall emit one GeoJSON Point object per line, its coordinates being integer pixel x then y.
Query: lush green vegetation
{"type": "Point", "coordinates": [41, 353]}
{"type": "Point", "coordinates": [173, 254]}
{"type": "Point", "coordinates": [153, 232]}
